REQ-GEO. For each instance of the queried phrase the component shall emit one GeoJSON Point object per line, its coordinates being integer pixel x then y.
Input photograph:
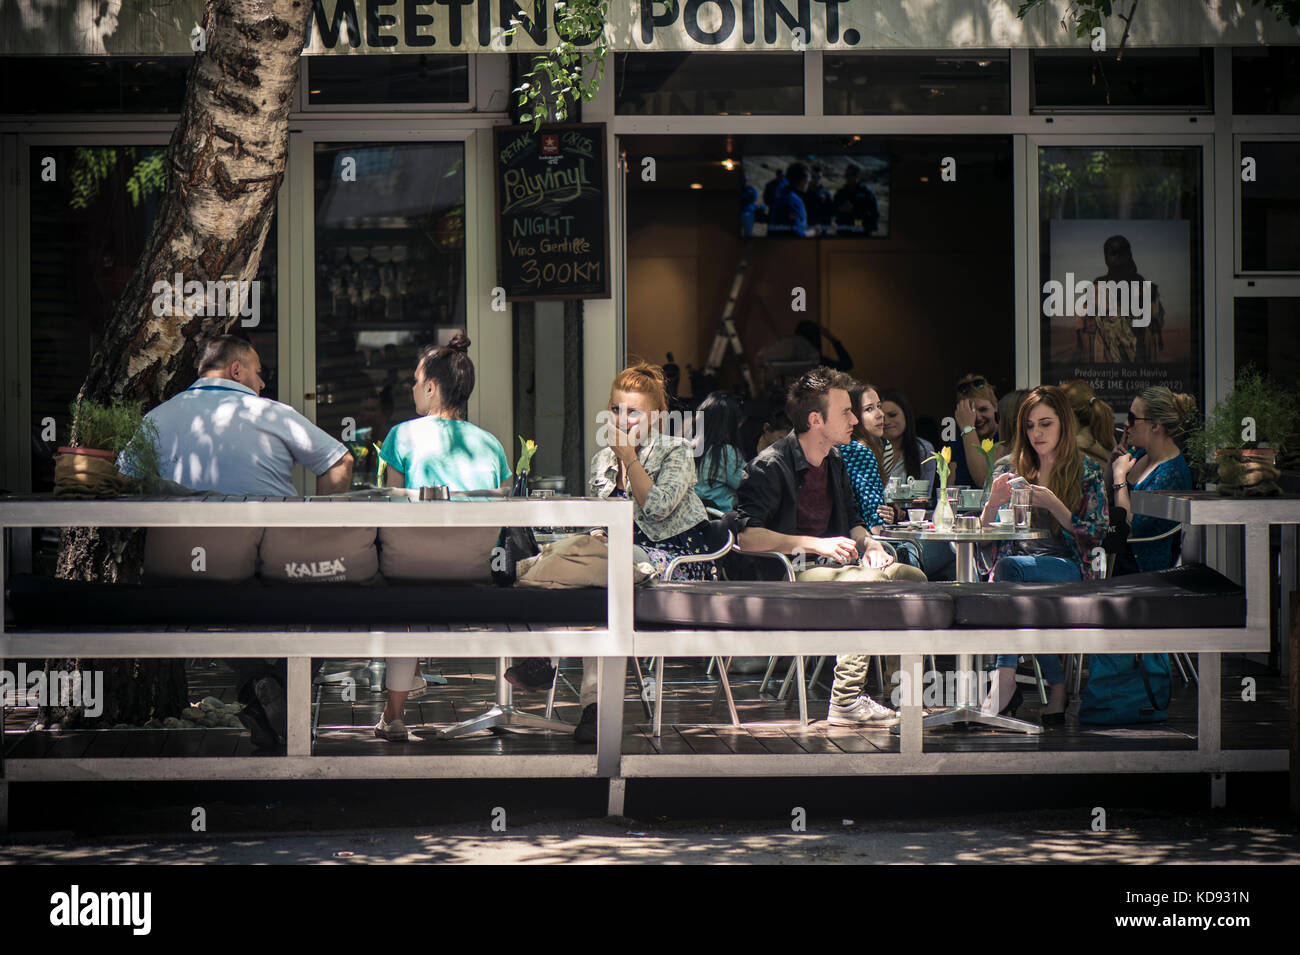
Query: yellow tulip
{"type": "Point", "coordinates": [986, 445]}
{"type": "Point", "coordinates": [947, 454]}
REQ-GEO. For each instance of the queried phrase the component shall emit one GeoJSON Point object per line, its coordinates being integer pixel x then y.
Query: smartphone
{"type": "Point", "coordinates": [1018, 481]}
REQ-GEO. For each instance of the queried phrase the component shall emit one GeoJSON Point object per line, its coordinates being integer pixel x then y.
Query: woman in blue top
{"type": "Point", "coordinates": [720, 462]}
{"type": "Point", "coordinates": [862, 455]}
{"type": "Point", "coordinates": [1158, 419]}
{"type": "Point", "coordinates": [440, 447]}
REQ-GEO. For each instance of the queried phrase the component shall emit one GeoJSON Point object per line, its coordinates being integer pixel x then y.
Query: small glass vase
{"type": "Point", "coordinates": [942, 511]}
{"type": "Point", "coordinates": [521, 485]}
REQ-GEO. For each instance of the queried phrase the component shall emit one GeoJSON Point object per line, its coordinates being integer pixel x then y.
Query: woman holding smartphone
{"type": "Point", "coordinates": [1067, 496]}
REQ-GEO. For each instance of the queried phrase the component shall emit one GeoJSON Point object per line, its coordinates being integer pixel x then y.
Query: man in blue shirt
{"type": "Point", "coordinates": [220, 435]}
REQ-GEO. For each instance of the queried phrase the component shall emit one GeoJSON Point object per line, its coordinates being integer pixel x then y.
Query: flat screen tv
{"type": "Point", "coordinates": [788, 196]}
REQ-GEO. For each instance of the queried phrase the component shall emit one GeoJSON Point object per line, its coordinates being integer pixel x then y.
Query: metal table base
{"type": "Point", "coordinates": [503, 715]}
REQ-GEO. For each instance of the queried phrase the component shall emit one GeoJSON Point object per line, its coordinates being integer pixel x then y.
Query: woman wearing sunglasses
{"type": "Point", "coordinates": [1068, 498]}
{"type": "Point", "coordinates": [1158, 419]}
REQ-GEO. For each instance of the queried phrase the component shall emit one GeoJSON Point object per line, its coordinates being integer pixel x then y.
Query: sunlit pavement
{"type": "Point", "coordinates": [1023, 838]}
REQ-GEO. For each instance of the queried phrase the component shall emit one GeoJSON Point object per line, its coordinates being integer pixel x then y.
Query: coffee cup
{"type": "Point", "coordinates": [972, 497]}
{"type": "Point", "coordinates": [1005, 515]}
{"type": "Point", "coordinates": [916, 514]}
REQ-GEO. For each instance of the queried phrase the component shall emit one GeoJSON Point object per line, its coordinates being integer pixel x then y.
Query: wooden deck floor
{"type": "Point", "coordinates": [344, 728]}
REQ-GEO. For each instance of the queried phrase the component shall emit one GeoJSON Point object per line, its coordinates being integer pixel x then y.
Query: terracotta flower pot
{"type": "Point", "coordinates": [93, 452]}
{"type": "Point", "coordinates": [87, 472]}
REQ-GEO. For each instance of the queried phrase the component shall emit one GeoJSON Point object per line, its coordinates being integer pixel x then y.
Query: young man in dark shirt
{"type": "Point", "coordinates": [795, 498]}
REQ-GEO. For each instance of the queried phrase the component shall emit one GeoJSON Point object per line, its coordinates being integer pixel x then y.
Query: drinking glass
{"type": "Point", "coordinates": [1020, 506]}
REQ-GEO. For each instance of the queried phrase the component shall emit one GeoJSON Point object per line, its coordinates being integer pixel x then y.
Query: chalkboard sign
{"type": "Point", "coordinates": [552, 219]}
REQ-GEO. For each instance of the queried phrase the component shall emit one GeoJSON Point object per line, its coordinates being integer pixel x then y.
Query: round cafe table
{"type": "Point", "coordinates": [967, 709]}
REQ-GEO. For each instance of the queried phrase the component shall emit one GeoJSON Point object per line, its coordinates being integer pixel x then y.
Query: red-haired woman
{"type": "Point", "coordinates": [1068, 497]}
{"type": "Point", "coordinates": [655, 470]}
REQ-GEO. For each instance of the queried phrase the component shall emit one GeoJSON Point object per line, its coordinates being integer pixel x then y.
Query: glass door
{"type": "Point", "coordinates": [389, 257]}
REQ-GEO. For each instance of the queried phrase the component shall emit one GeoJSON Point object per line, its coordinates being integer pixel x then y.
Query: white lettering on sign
{"type": "Point", "coordinates": [321, 569]}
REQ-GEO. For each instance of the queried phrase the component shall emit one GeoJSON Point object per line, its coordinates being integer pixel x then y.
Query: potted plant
{"type": "Point", "coordinates": [101, 433]}
{"type": "Point", "coordinates": [1244, 435]}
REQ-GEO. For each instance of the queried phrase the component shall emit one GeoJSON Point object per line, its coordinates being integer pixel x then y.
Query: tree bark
{"type": "Point", "coordinates": [225, 162]}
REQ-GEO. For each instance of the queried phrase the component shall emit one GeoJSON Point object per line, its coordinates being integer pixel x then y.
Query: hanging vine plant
{"type": "Point", "coordinates": [574, 68]}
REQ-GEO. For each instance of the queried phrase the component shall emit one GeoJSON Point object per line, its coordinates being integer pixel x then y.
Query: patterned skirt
{"type": "Point", "coordinates": [661, 553]}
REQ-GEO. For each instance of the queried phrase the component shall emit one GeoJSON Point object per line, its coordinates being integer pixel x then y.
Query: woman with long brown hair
{"type": "Point", "coordinates": [1067, 492]}
{"type": "Point", "coordinates": [1095, 420]}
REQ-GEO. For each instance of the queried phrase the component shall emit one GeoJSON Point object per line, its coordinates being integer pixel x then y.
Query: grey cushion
{"type": "Point", "coordinates": [319, 555]}
{"type": "Point", "coordinates": [229, 554]}
{"type": "Point", "coordinates": [830, 605]}
{"type": "Point", "coordinates": [443, 554]}
{"type": "Point", "coordinates": [1184, 597]}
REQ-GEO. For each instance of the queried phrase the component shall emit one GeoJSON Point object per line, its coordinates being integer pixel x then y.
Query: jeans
{"type": "Point", "coordinates": [1036, 569]}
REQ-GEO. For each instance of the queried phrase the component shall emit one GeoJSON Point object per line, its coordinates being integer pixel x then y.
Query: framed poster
{"type": "Point", "coordinates": [552, 212]}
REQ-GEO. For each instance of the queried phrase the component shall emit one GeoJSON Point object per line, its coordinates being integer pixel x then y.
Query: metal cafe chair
{"type": "Point", "coordinates": [721, 541]}
{"type": "Point", "coordinates": [1183, 661]}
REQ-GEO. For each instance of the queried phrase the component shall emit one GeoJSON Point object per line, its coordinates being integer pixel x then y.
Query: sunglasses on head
{"type": "Point", "coordinates": [975, 384]}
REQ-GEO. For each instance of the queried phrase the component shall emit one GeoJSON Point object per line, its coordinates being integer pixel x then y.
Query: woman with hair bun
{"type": "Point", "coordinates": [1096, 421]}
{"type": "Point", "coordinates": [439, 447]}
{"type": "Point", "coordinates": [1158, 421]}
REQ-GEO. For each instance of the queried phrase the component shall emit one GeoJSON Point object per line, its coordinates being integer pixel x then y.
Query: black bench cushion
{"type": "Point", "coordinates": [781, 605]}
{"type": "Point", "coordinates": [1190, 596]}
{"type": "Point", "coordinates": [67, 604]}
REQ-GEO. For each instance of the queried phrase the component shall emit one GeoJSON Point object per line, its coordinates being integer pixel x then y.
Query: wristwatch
{"type": "Point", "coordinates": [1119, 485]}
{"type": "Point", "coordinates": [967, 430]}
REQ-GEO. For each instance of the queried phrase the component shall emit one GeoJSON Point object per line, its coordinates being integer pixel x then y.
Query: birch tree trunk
{"type": "Point", "coordinates": [225, 162]}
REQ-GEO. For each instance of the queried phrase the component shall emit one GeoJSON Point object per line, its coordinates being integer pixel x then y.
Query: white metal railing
{"type": "Point", "coordinates": [613, 644]}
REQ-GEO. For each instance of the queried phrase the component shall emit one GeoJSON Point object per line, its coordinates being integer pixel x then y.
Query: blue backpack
{"type": "Point", "coordinates": [1126, 688]}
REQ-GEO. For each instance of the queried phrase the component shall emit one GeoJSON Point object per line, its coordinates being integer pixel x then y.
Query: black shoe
{"type": "Point", "coordinates": [272, 698]}
{"type": "Point", "coordinates": [259, 727]}
{"type": "Point", "coordinates": [585, 731]}
{"type": "Point", "coordinates": [1056, 719]}
{"type": "Point", "coordinates": [533, 674]}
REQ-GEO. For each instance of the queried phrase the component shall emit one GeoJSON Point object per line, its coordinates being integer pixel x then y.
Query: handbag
{"type": "Point", "coordinates": [1127, 688]}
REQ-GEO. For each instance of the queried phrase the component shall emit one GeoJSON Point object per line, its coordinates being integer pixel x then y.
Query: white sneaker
{"type": "Point", "coordinates": [862, 711]}
{"type": "Point", "coordinates": [394, 732]}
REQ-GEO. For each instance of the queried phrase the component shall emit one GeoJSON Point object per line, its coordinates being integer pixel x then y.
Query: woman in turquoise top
{"type": "Point", "coordinates": [720, 461]}
{"type": "Point", "coordinates": [1157, 420]}
{"type": "Point", "coordinates": [440, 447]}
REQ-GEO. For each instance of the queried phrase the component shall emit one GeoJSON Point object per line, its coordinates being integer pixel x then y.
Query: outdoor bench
{"type": "Point", "coordinates": [1190, 609]}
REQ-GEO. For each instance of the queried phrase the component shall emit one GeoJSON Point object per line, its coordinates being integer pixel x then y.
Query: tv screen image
{"type": "Point", "coordinates": [815, 196]}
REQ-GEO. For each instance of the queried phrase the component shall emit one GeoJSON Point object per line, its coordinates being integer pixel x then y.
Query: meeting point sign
{"type": "Point", "coordinates": [484, 25]}
{"type": "Point", "coordinates": [142, 27]}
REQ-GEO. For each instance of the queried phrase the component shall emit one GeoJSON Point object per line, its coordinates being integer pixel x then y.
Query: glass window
{"type": "Point", "coordinates": [1143, 80]}
{"type": "Point", "coordinates": [390, 279]}
{"type": "Point", "coordinates": [1120, 268]}
{"type": "Point", "coordinates": [1265, 335]}
{"type": "Point", "coordinates": [709, 84]}
{"type": "Point", "coordinates": [857, 84]}
{"type": "Point", "coordinates": [78, 84]}
{"type": "Point", "coordinates": [399, 78]}
{"type": "Point", "coordinates": [1266, 79]}
{"type": "Point", "coordinates": [88, 229]}
{"type": "Point", "coordinates": [1270, 208]}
